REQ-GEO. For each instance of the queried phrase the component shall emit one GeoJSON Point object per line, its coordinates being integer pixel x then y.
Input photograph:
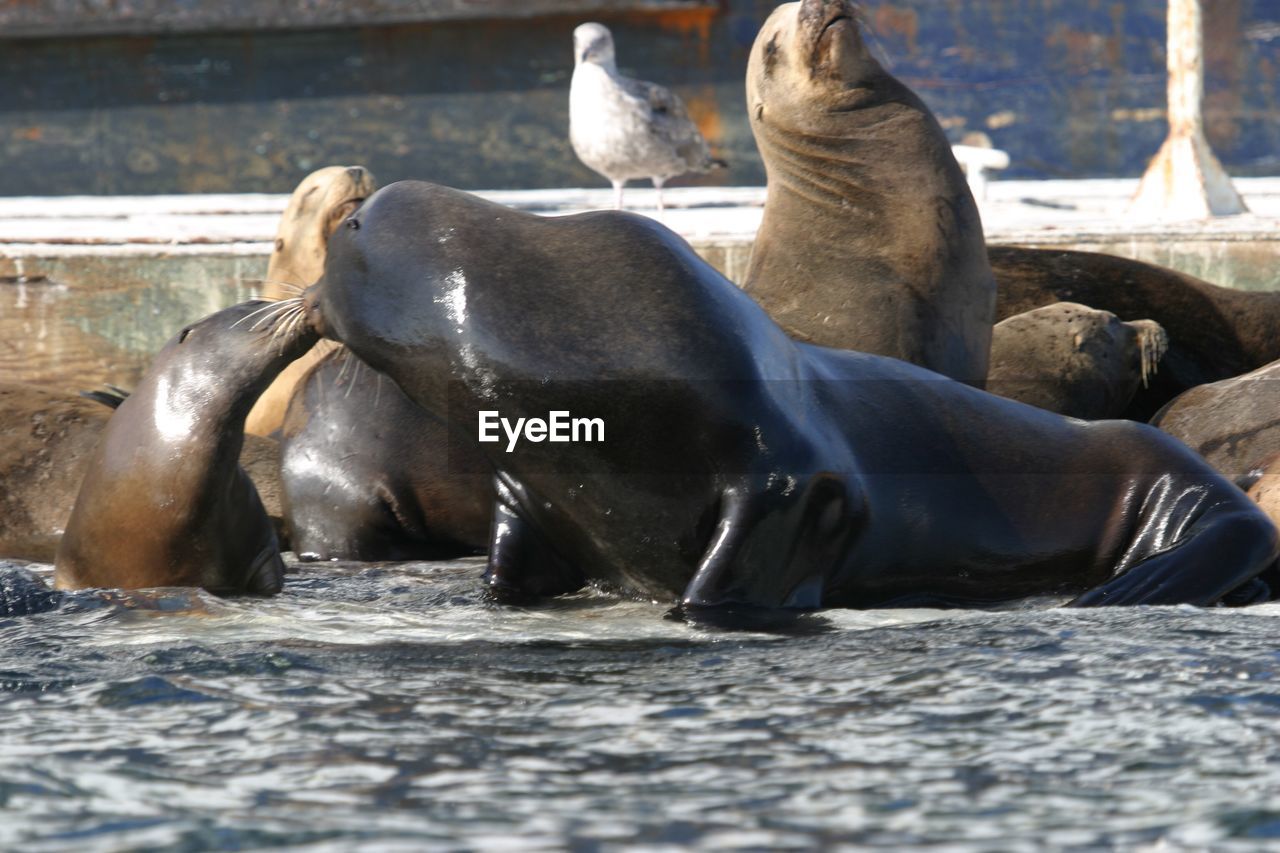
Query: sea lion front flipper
{"type": "Point", "coordinates": [776, 546]}
{"type": "Point", "coordinates": [521, 563]}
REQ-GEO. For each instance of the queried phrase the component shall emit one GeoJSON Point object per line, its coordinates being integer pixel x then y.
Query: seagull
{"type": "Point", "coordinates": [627, 129]}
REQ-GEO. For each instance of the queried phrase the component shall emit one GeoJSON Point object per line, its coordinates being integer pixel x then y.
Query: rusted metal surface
{"type": "Point", "coordinates": [1185, 181]}
{"type": "Point", "coordinates": [43, 18]}
{"type": "Point", "coordinates": [1069, 89]}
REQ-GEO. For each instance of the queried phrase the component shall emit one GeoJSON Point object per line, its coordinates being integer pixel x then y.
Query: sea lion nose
{"type": "Point", "coordinates": [311, 308]}
{"type": "Point", "coordinates": [356, 173]}
{"type": "Point", "coordinates": [824, 10]}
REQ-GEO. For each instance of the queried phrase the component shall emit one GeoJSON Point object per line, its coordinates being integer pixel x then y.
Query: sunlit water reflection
{"type": "Point", "coordinates": [391, 706]}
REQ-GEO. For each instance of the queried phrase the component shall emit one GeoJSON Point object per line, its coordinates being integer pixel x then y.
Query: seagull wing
{"type": "Point", "coordinates": [669, 120]}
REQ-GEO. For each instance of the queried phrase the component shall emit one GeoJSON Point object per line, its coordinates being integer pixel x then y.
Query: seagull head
{"type": "Point", "coordinates": [593, 43]}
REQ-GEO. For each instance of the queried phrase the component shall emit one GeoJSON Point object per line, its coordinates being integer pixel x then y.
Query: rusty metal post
{"type": "Point", "coordinates": [1185, 181]}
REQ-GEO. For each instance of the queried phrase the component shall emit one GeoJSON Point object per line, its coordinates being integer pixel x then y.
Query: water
{"type": "Point", "coordinates": [389, 707]}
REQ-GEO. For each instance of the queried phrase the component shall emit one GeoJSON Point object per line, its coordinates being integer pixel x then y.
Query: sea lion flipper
{"type": "Point", "coordinates": [777, 545]}
{"type": "Point", "coordinates": [1225, 549]}
{"type": "Point", "coordinates": [521, 563]}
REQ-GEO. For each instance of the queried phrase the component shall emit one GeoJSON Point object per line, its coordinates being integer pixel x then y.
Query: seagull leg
{"type": "Point", "coordinates": [617, 194]}
{"type": "Point", "coordinates": [657, 185]}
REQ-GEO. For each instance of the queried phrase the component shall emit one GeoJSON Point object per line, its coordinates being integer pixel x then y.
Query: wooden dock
{"type": "Point", "coordinates": [90, 287]}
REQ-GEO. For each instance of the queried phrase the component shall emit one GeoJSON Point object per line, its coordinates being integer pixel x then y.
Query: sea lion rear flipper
{"type": "Point", "coordinates": [776, 547]}
{"type": "Point", "coordinates": [1224, 550]}
{"type": "Point", "coordinates": [521, 563]}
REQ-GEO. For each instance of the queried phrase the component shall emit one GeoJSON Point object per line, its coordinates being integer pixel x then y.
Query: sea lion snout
{"type": "Point", "coordinates": [823, 13]}
{"type": "Point", "coordinates": [311, 309]}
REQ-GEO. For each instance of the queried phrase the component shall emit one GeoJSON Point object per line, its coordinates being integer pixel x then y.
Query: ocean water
{"type": "Point", "coordinates": [391, 707]}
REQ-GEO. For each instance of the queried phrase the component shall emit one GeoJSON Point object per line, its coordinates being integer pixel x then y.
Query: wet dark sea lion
{"type": "Point", "coordinates": [871, 239]}
{"type": "Point", "coordinates": [1234, 424]}
{"type": "Point", "coordinates": [46, 440]}
{"type": "Point", "coordinates": [1074, 360]}
{"type": "Point", "coordinates": [741, 468]}
{"type": "Point", "coordinates": [368, 475]}
{"type": "Point", "coordinates": [1214, 332]}
{"type": "Point", "coordinates": [320, 202]}
{"type": "Point", "coordinates": [164, 501]}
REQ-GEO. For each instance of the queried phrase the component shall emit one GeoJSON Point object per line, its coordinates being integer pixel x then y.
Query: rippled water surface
{"type": "Point", "coordinates": [390, 707]}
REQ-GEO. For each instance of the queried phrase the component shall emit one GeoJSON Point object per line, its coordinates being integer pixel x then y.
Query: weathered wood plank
{"type": "Point", "coordinates": [42, 18]}
{"type": "Point", "coordinates": [81, 320]}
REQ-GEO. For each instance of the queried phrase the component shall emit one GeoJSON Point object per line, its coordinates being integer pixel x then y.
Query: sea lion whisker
{"type": "Point", "coordinates": [284, 306]}
{"type": "Point", "coordinates": [293, 286]}
{"type": "Point", "coordinates": [270, 306]}
{"type": "Point", "coordinates": [287, 329]}
{"type": "Point", "coordinates": [278, 324]}
{"type": "Point", "coordinates": [347, 361]}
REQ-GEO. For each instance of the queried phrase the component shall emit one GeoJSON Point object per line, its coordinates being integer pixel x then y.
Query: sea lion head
{"type": "Point", "coordinates": [593, 43]}
{"type": "Point", "coordinates": [809, 66]}
{"type": "Point", "coordinates": [317, 207]}
{"type": "Point", "coordinates": [238, 351]}
{"type": "Point", "coordinates": [323, 200]}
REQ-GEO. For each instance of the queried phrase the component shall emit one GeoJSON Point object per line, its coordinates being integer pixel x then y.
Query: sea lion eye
{"type": "Point", "coordinates": [353, 224]}
{"type": "Point", "coordinates": [279, 245]}
{"type": "Point", "coordinates": [182, 336]}
{"type": "Point", "coordinates": [760, 111]}
{"type": "Point", "coordinates": [770, 54]}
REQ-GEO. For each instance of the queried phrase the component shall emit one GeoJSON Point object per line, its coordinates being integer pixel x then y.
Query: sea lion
{"type": "Point", "coordinates": [1234, 424]}
{"type": "Point", "coordinates": [164, 501]}
{"type": "Point", "coordinates": [1073, 360]}
{"type": "Point", "coordinates": [1214, 332]}
{"type": "Point", "coordinates": [368, 475]}
{"type": "Point", "coordinates": [735, 467]}
{"type": "Point", "coordinates": [46, 440]}
{"type": "Point", "coordinates": [323, 200]}
{"type": "Point", "coordinates": [871, 239]}
{"type": "Point", "coordinates": [1265, 487]}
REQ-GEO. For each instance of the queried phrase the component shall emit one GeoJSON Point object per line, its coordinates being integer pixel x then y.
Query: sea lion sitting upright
{"type": "Point", "coordinates": [164, 501]}
{"type": "Point", "coordinates": [871, 239]}
{"type": "Point", "coordinates": [1071, 359]}
{"type": "Point", "coordinates": [733, 466]}
{"type": "Point", "coordinates": [323, 200]}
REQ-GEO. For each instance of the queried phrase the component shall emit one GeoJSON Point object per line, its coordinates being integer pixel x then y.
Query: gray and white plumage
{"type": "Point", "coordinates": [624, 128]}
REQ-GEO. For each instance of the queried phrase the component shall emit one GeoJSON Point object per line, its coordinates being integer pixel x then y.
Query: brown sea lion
{"type": "Point", "coordinates": [1073, 360]}
{"type": "Point", "coordinates": [368, 475]}
{"type": "Point", "coordinates": [324, 199]}
{"type": "Point", "coordinates": [46, 440]}
{"type": "Point", "coordinates": [732, 466]}
{"type": "Point", "coordinates": [1234, 424]}
{"type": "Point", "coordinates": [871, 239]}
{"type": "Point", "coordinates": [164, 501]}
{"type": "Point", "coordinates": [1214, 332]}
{"type": "Point", "coordinates": [1265, 488]}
